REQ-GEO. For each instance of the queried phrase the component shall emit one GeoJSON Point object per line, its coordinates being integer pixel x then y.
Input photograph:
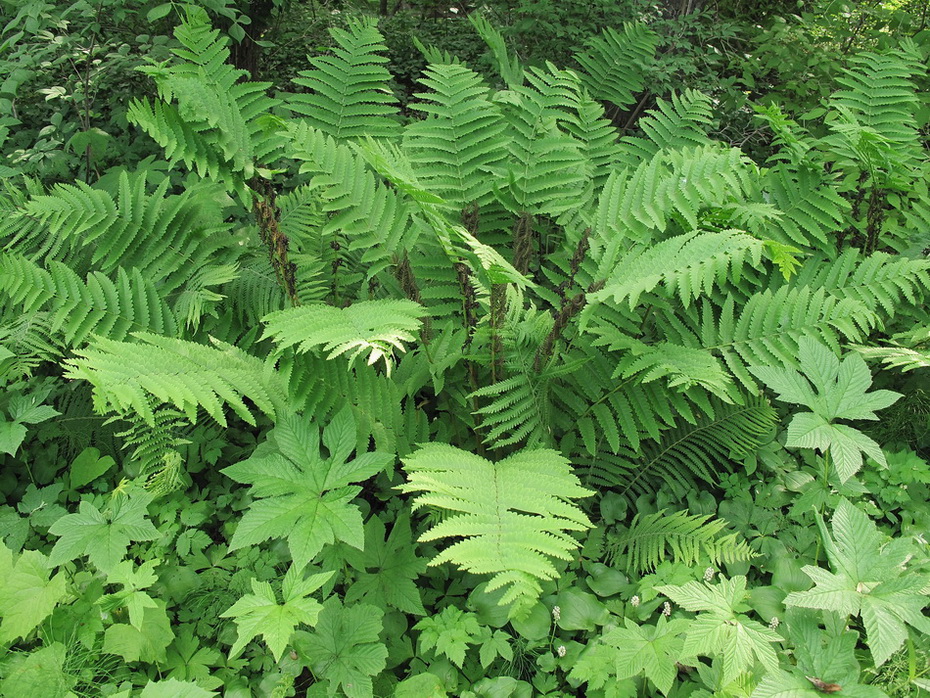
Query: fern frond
{"type": "Point", "coordinates": [686, 538]}
{"type": "Point", "coordinates": [127, 375]}
{"type": "Point", "coordinates": [220, 127]}
{"type": "Point", "coordinates": [460, 142]}
{"type": "Point", "coordinates": [164, 236]}
{"type": "Point", "coordinates": [880, 96]}
{"type": "Point", "coordinates": [511, 517]}
{"type": "Point", "coordinates": [811, 211]}
{"type": "Point", "coordinates": [347, 96]}
{"type": "Point", "coordinates": [508, 66]}
{"type": "Point", "coordinates": [688, 266]}
{"type": "Point", "coordinates": [614, 63]}
{"type": "Point", "coordinates": [766, 330]}
{"type": "Point", "coordinates": [679, 123]}
{"type": "Point", "coordinates": [77, 309]}
{"type": "Point", "coordinates": [688, 454]}
{"type": "Point", "coordinates": [882, 282]}
{"type": "Point", "coordinates": [375, 328]}
{"type": "Point", "coordinates": [372, 216]}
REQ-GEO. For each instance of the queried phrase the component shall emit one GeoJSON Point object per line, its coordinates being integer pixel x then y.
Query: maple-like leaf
{"type": "Point", "coordinates": [345, 648]}
{"type": "Point", "coordinates": [300, 495]}
{"type": "Point", "coordinates": [103, 537]}
{"type": "Point", "coordinates": [388, 568]}
{"type": "Point", "coordinates": [27, 595]}
{"type": "Point", "coordinates": [720, 627]}
{"type": "Point", "coordinates": [131, 597]}
{"type": "Point", "coordinates": [259, 613]}
{"type": "Point", "coordinates": [647, 649]}
{"type": "Point", "coordinates": [869, 579]}
{"type": "Point", "coordinates": [839, 391]}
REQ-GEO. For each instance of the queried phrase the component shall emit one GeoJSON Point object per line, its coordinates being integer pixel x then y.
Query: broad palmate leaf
{"type": "Point", "coordinates": [511, 516]}
{"type": "Point", "coordinates": [869, 579]}
{"type": "Point", "coordinates": [840, 391]}
{"type": "Point", "coordinates": [259, 613]}
{"type": "Point", "coordinates": [299, 494]}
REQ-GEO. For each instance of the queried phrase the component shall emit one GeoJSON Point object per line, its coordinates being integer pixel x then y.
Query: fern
{"type": "Point", "coordinates": [690, 538]}
{"type": "Point", "coordinates": [125, 375]}
{"type": "Point", "coordinates": [460, 142]}
{"type": "Point", "coordinates": [375, 328]}
{"type": "Point", "coordinates": [512, 516]}
{"type": "Point", "coordinates": [691, 453]}
{"type": "Point", "coordinates": [811, 210]}
{"type": "Point", "coordinates": [164, 236]}
{"type": "Point", "coordinates": [347, 97]}
{"type": "Point", "coordinates": [679, 123]}
{"type": "Point", "coordinates": [77, 309]}
{"type": "Point", "coordinates": [614, 60]}
{"type": "Point", "coordinates": [219, 127]}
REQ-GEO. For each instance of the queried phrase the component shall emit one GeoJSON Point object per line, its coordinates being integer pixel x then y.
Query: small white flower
{"type": "Point", "coordinates": [634, 602]}
{"type": "Point", "coordinates": [561, 650]}
{"type": "Point", "coordinates": [454, 10]}
{"type": "Point", "coordinates": [774, 623]}
{"type": "Point", "coordinates": [667, 609]}
{"type": "Point", "coordinates": [556, 613]}
{"type": "Point", "coordinates": [709, 574]}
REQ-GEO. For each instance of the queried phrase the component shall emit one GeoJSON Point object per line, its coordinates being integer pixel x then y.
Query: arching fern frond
{"type": "Point", "coordinates": [511, 517]}
{"type": "Point", "coordinates": [76, 309]}
{"type": "Point", "coordinates": [127, 375]}
{"type": "Point", "coordinates": [688, 266]}
{"type": "Point", "coordinates": [219, 127]}
{"type": "Point", "coordinates": [686, 538]}
{"type": "Point", "coordinates": [679, 123]}
{"type": "Point", "coordinates": [614, 62]}
{"type": "Point", "coordinates": [374, 328]}
{"type": "Point", "coordinates": [460, 142]}
{"type": "Point", "coordinates": [347, 97]}
{"type": "Point", "coordinates": [165, 236]}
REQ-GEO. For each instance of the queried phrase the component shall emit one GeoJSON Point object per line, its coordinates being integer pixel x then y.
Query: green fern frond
{"type": "Point", "coordinates": [614, 63]}
{"type": "Point", "coordinates": [687, 538]}
{"type": "Point", "coordinates": [164, 236]}
{"type": "Point", "coordinates": [688, 266]}
{"type": "Point", "coordinates": [126, 375]}
{"type": "Point", "coordinates": [460, 142]}
{"type": "Point", "coordinates": [77, 309]}
{"type": "Point", "coordinates": [811, 211]}
{"type": "Point", "coordinates": [347, 97]}
{"type": "Point", "coordinates": [679, 123]}
{"type": "Point", "coordinates": [220, 127]}
{"type": "Point", "coordinates": [882, 282]}
{"type": "Point", "coordinates": [507, 65]}
{"type": "Point", "coordinates": [511, 517]}
{"type": "Point", "coordinates": [373, 217]}
{"type": "Point", "coordinates": [374, 328]}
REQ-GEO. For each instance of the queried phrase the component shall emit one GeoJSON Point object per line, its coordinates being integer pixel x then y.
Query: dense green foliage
{"type": "Point", "coordinates": [548, 354]}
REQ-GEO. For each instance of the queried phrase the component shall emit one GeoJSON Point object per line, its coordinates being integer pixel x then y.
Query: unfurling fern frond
{"type": "Point", "coordinates": [127, 375]}
{"type": "Point", "coordinates": [686, 538]}
{"type": "Point", "coordinates": [374, 328]}
{"type": "Point", "coordinates": [347, 96]}
{"type": "Point", "coordinates": [614, 63]}
{"type": "Point", "coordinates": [511, 517]}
